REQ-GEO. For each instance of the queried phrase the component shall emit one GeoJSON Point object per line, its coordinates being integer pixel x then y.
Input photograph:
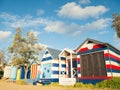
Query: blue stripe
{"type": "Point", "coordinates": [63, 65]}
{"type": "Point", "coordinates": [47, 58]}
{"type": "Point", "coordinates": [93, 50]}
{"type": "Point", "coordinates": [48, 81]}
{"type": "Point", "coordinates": [78, 72]}
{"type": "Point", "coordinates": [112, 59]}
{"type": "Point", "coordinates": [93, 81]}
{"type": "Point", "coordinates": [63, 58]}
{"type": "Point", "coordinates": [55, 72]}
{"type": "Point", "coordinates": [113, 70]}
{"type": "Point", "coordinates": [78, 62]}
{"type": "Point", "coordinates": [115, 51]}
{"type": "Point", "coordinates": [55, 65]}
{"type": "Point", "coordinates": [46, 52]}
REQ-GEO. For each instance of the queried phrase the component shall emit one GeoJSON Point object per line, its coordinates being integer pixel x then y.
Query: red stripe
{"type": "Point", "coordinates": [78, 68]}
{"type": "Point", "coordinates": [94, 47]}
{"type": "Point", "coordinates": [112, 56]}
{"type": "Point", "coordinates": [83, 49]}
{"type": "Point", "coordinates": [99, 77]}
{"type": "Point", "coordinates": [97, 46]}
{"type": "Point", "coordinates": [113, 67]}
{"type": "Point", "coordinates": [78, 59]}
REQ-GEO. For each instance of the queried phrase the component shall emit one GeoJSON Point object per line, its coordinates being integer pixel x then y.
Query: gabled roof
{"type": "Point", "coordinates": [54, 52]}
{"type": "Point", "coordinates": [98, 42]}
{"type": "Point", "coordinates": [68, 51]}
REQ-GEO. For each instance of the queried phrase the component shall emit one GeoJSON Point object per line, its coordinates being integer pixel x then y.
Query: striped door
{"type": "Point", "coordinates": [34, 71]}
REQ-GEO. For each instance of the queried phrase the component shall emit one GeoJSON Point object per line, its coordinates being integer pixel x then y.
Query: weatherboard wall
{"type": "Point", "coordinates": [112, 58]}
{"type": "Point", "coordinates": [50, 67]}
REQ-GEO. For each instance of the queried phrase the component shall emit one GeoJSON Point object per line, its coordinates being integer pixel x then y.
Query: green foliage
{"type": "Point", "coordinates": [113, 83]}
{"type": "Point", "coordinates": [81, 85]}
{"type": "Point", "coordinates": [54, 84]}
{"type": "Point", "coordinates": [116, 24]}
{"type": "Point", "coordinates": [1, 56]}
{"type": "Point", "coordinates": [21, 82]}
{"type": "Point", "coordinates": [23, 49]}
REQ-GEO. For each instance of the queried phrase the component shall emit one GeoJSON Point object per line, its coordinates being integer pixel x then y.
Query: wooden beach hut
{"type": "Point", "coordinates": [7, 71]}
{"type": "Point", "coordinates": [92, 62]}
{"type": "Point", "coordinates": [13, 73]}
{"type": "Point", "coordinates": [50, 65]}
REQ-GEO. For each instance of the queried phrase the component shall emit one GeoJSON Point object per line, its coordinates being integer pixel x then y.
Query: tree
{"type": "Point", "coordinates": [16, 47]}
{"type": "Point", "coordinates": [23, 49]}
{"type": "Point", "coordinates": [1, 57]}
{"type": "Point", "coordinates": [116, 24]}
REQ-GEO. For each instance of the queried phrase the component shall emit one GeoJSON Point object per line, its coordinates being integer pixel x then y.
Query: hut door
{"type": "Point", "coordinates": [93, 64]}
{"type": "Point", "coordinates": [74, 68]}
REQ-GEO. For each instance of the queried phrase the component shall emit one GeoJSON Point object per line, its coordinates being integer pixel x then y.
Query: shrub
{"type": "Point", "coordinates": [79, 85]}
{"type": "Point", "coordinates": [110, 83]}
{"type": "Point", "coordinates": [84, 85]}
{"type": "Point", "coordinates": [54, 84]}
{"type": "Point", "coordinates": [21, 82]}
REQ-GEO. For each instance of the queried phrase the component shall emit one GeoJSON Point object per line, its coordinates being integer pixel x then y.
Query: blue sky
{"type": "Point", "coordinates": [59, 23]}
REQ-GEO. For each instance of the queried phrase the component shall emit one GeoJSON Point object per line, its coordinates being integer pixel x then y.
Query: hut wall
{"type": "Point", "coordinates": [7, 71]}
{"type": "Point", "coordinates": [50, 69]}
{"type": "Point", "coordinates": [112, 62]}
{"type": "Point", "coordinates": [13, 72]}
{"type": "Point", "coordinates": [111, 57]}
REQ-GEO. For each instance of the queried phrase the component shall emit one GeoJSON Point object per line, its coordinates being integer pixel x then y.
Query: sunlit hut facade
{"type": "Point", "coordinates": [50, 65]}
{"type": "Point", "coordinates": [92, 62]}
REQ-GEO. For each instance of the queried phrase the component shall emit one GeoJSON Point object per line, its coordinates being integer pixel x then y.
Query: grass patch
{"type": "Point", "coordinates": [81, 85]}
{"type": "Point", "coordinates": [21, 82]}
{"type": "Point", "coordinates": [113, 83]}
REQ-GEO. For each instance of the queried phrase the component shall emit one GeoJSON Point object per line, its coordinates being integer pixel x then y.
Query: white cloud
{"type": "Point", "coordinates": [8, 17]}
{"type": "Point", "coordinates": [103, 32]}
{"type": "Point", "coordinates": [84, 1]}
{"type": "Point", "coordinates": [56, 26]}
{"type": "Point", "coordinates": [4, 35]}
{"type": "Point", "coordinates": [40, 12]}
{"type": "Point", "coordinates": [17, 21]}
{"type": "Point", "coordinates": [72, 10]}
{"type": "Point", "coordinates": [61, 27]}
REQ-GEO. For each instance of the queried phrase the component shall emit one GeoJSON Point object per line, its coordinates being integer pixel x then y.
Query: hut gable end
{"type": "Point", "coordinates": [50, 54]}
{"type": "Point", "coordinates": [89, 44]}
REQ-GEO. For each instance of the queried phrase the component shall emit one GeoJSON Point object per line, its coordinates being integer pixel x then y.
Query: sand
{"type": "Point", "coordinates": [5, 85]}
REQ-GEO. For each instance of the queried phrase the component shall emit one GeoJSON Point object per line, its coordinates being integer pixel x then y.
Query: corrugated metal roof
{"type": "Point", "coordinates": [54, 52]}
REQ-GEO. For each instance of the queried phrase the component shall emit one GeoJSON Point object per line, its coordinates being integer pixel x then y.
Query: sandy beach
{"type": "Point", "coordinates": [5, 85]}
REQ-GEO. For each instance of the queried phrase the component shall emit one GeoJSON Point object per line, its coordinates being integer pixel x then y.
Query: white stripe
{"type": "Point", "coordinates": [79, 75]}
{"type": "Point", "coordinates": [112, 63]}
{"type": "Point", "coordinates": [78, 56]}
{"type": "Point", "coordinates": [116, 74]}
{"type": "Point", "coordinates": [46, 55]}
{"type": "Point", "coordinates": [55, 68]}
{"type": "Point", "coordinates": [54, 76]}
{"type": "Point", "coordinates": [78, 65]}
{"type": "Point", "coordinates": [113, 53]}
{"type": "Point", "coordinates": [109, 74]}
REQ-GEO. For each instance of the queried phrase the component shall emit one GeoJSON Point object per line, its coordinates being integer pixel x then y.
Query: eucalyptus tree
{"type": "Point", "coordinates": [24, 49]}
{"type": "Point", "coordinates": [116, 24]}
